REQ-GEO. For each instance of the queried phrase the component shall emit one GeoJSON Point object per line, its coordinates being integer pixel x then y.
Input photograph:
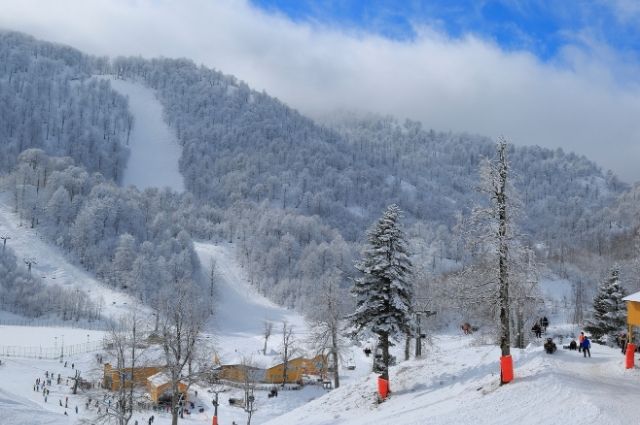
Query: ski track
{"type": "Point", "coordinates": [154, 150]}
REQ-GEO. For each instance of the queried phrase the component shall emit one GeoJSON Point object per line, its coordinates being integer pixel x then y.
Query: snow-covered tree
{"type": "Point", "coordinates": [609, 315]}
{"type": "Point", "coordinates": [383, 292]}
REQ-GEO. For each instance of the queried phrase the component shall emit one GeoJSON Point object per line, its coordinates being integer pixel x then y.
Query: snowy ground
{"type": "Point", "coordinates": [236, 331]}
{"type": "Point", "coordinates": [458, 383]}
{"type": "Point", "coordinates": [155, 152]}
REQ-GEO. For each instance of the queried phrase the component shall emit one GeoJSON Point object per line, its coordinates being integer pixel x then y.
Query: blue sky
{"type": "Point", "coordinates": [541, 27]}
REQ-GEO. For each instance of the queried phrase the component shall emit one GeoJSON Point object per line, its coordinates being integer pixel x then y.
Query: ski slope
{"type": "Point", "coordinates": [53, 267]}
{"type": "Point", "coordinates": [236, 332]}
{"type": "Point", "coordinates": [154, 150]}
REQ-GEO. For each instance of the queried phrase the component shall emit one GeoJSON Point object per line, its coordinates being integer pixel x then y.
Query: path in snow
{"type": "Point", "coordinates": [153, 161]}
{"type": "Point", "coordinates": [458, 383]}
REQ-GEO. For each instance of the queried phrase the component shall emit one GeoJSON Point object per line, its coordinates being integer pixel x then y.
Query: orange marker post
{"type": "Point", "coordinates": [383, 387]}
{"type": "Point", "coordinates": [506, 369]}
{"type": "Point", "coordinates": [631, 350]}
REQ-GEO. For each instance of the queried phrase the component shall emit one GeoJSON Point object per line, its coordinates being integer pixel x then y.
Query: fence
{"type": "Point", "coordinates": [50, 352]}
{"type": "Point", "coordinates": [55, 323]}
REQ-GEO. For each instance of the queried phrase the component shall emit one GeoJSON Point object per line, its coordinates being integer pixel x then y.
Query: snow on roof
{"type": "Point", "coordinates": [159, 378]}
{"type": "Point", "coordinates": [633, 297]}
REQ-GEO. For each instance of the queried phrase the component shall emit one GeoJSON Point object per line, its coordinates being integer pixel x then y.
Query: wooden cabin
{"type": "Point", "coordinates": [296, 369]}
{"type": "Point", "coordinates": [159, 388]}
{"type": "Point", "coordinates": [238, 373]}
{"type": "Point", "coordinates": [138, 376]}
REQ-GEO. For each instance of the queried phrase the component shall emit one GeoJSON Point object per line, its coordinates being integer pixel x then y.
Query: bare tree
{"type": "Point", "coordinates": [499, 197]}
{"type": "Point", "coordinates": [525, 294]}
{"type": "Point", "coordinates": [249, 385]}
{"type": "Point", "coordinates": [288, 348]}
{"type": "Point", "coordinates": [124, 342]}
{"type": "Point", "coordinates": [213, 275]}
{"type": "Point", "coordinates": [267, 330]}
{"type": "Point", "coordinates": [326, 326]}
{"type": "Point", "coordinates": [494, 176]}
{"type": "Point", "coordinates": [183, 315]}
{"type": "Point", "coordinates": [578, 300]}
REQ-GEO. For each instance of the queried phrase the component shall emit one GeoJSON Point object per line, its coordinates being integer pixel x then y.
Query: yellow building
{"type": "Point", "coordinates": [633, 311]}
{"type": "Point", "coordinates": [159, 388]}
{"type": "Point", "coordinates": [238, 373]}
{"type": "Point", "coordinates": [137, 375]}
{"type": "Point", "coordinates": [296, 368]}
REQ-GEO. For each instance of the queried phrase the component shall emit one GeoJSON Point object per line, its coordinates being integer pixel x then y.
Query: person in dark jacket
{"type": "Point", "coordinates": [622, 340]}
{"type": "Point", "coordinates": [550, 346]}
{"type": "Point", "coordinates": [544, 322]}
{"type": "Point", "coordinates": [586, 346]}
{"type": "Point", "coordinates": [537, 330]}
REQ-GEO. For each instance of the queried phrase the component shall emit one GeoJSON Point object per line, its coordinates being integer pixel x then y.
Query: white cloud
{"type": "Point", "coordinates": [579, 102]}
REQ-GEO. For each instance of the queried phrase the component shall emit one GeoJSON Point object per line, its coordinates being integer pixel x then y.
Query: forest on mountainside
{"type": "Point", "coordinates": [295, 195]}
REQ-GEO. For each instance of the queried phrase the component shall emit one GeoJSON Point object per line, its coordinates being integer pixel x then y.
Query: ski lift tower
{"type": "Point", "coordinates": [421, 309]}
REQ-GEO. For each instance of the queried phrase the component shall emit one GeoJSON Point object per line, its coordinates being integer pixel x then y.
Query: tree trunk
{"type": "Point", "coordinates": [334, 355]}
{"type": "Point", "coordinates": [501, 199]}
{"type": "Point", "coordinates": [407, 346]}
{"type": "Point", "coordinates": [384, 345]}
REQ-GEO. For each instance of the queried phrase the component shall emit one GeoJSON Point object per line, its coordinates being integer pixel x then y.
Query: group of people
{"type": "Point", "coordinates": [540, 327]}
{"type": "Point", "coordinates": [583, 345]}
{"type": "Point", "coordinates": [43, 385]}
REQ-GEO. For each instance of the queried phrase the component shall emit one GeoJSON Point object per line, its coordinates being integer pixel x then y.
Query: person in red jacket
{"type": "Point", "coordinates": [580, 339]}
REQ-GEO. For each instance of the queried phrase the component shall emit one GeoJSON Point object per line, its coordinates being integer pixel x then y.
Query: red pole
{"type": "Point", "coordinates": [383, 387]}
{"type": "Point", "coordinates": [506, 369]}
{"type": "Point", "coordinates": [631, 350]}
{"type": "Point", "coordinates": [214, 421]}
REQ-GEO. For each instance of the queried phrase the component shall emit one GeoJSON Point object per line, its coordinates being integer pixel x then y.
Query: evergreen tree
{"type": "Point", "coordinates": [383, 292]}
{"type": "Point", "coordinates": [609, 315]}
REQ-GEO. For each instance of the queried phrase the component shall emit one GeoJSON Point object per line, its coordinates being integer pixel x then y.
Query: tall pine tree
{"type": "Point", "coordinates": [609, 316]}
{"type": "Point", "coordinates": [383, 292]}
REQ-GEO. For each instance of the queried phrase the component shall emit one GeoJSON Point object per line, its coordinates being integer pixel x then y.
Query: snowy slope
{"type": "Point", "coordinates": [153, 161]}
{"type": "Point", "coordinates": [53, 267]}
{"type": "Point", "coordinates": [458, 383]}
{"type": "Point", "coordinates": [241, 310]}
{"type": "Point", "coordinates": [236, 331]}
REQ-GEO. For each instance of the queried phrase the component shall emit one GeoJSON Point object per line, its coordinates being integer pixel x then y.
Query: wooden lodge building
{"type": "Point", "coordinates": [297, 368]}
{"type": "Point", "coordinates": [138, 376]}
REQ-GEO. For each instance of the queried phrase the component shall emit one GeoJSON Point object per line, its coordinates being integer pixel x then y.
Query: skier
{"type": "Point", "coordinates": [586, 346]}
